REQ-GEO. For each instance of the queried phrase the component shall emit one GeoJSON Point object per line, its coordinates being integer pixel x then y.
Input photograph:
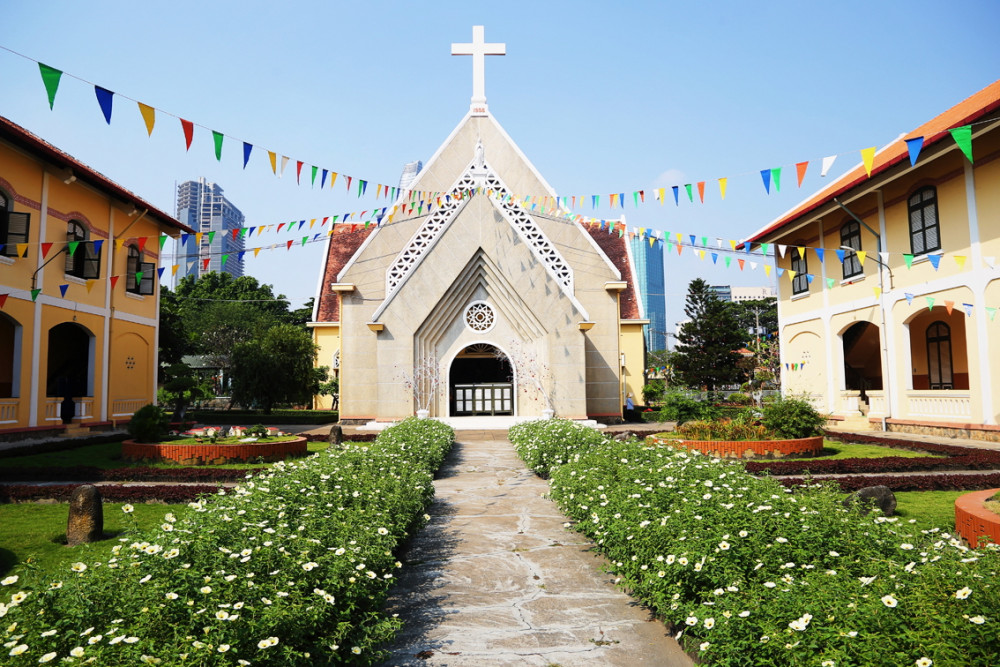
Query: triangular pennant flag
{"type": "Point", "coordinates": [968, 309]}
{"type": "Point", "coordinates": [781, 250]}
{"type": "Point", "coordinates": [687, 187]}
{"type": "Point", "coordinates": [114, 281]}
{"type": "Point", "coordinates": [70, 247]}
{"type": "Point", "coordinates": [163, 239]}
{"type": "Point", "coordinates": [819, 254]}
{"type": "Point", "coordinates": [595, 201]}
{"type": "Point", "coordinates": [211, 237]}
{"type": "Point", "coordinates": [225, 258]}
{"type": "Point", "coordinates": [802, 251]}
{"type": "Point", "coordinates": [908, 260]}
{"type": "Point", "coordinates": [141, 242]}
{"type": "Point", "coordinates": [935, 261]}
{"type": "Point", "coordinates": [315, 170]}
{"type": "Point", "coordinates": [188, 128]}
{"type": "Point", "coordinates": [930, 302]}
{"type": "Point", "coordinates": [322, 180]}
{"type": "Point", "coordinates": [722, 187]}
{"type": "Point", "coordinates": [247, 148]}
{"type": "Point", "coordinates": [120, 243]}
{"type": "Point", "coordinates": [138, 277]}
{"type": "Point", "coordinates": [776, 178]}
{"type": "Point", "coordinates": [840, 255]}
{"type": "Point", "coordinates": [676, 189]}
{"type": "Point", "coordinates": [237, 230]}
{"type": "Point", "coordinates": [948, 306]}
{"type": "Point", "coordinates": [701, 191]}
{"type": "Point", "coordinates": [635, 198]}
{"type": "Point", "coordinates": [791, 274]}
{"type": "Point", "coordinates": [284, 163]}
{"type": "Point", "coordinates": [741, 262]}
{"type": "Point", "coordinates": [50, 77]}
{"type": "Point", "coordinates": [715, 258]}
{"type": "Point", "coordinates": [727, 260]}
{"type": "Point", "coordinates": [159, 272]}
{"type": "Point", "coordinates": [273, 159]}
{"type": "Point", "coordinates": [765, 175]}
{"type": "Point", "coordinates": [914, 145]}
{"type": "Point", "coordinates": [861, 256]}
{"type": "Point", "coordinates": [764, 248]}
{"type": "Point", "coordinates": [240, 254]}
{"type": "Point", "coordinates": [104, 98]}
{"type": "Point", "coordinates": [62, 290]}
{"type": "Point", "coordinates": [148, 114]}
{"type": "Point", "coordinates": [298, 171]}
{"type": "Point", "coordinates": [613, 197]}
{"type": "Point", "coordinates": [333, 179]}
{"type": "Point", "coordinates": [348, 188]}
{"type": "Point", "coordinates": [992, 312]}
{"type": "Point", "coordinates": [877, 290]}
{"type": "Point", "coordinates": [830, 283]}
{"type": "Point", "coordinates": [35, 293]}
{"type": "Point", "coordinates": [98, 244]}
{"type": "Point", "coordinates": [868, 159]}
{"type": "Point", "coordinates": [204, 263]}
{"type": "Point", "coordinates": [960, 260]}
{"type": "Point", "coordinates": [800, 171]}
{"type": "Point", "coordinates": [827, 163]}
{"type": "Point", "coordinates": [909, 298]}
{"type": "Point", "coordinates": [781, 271]}
{"type": "Point", "coordinates": [288, 245]}
{"type": "Point", "coordinates": [90, 285]}
{"type": "Point", "coordinates": [767, 270]}
{"type": "Point", "coordinates": [45, 249]}
{"type": "Point", "coordinates": [963, 137]}
{"type": "Point", "coordinates": [810, 277]}
{"type": "Point", "coordinates": [753, 266]}
{"type": "Point", "coordinates": [256, 251]}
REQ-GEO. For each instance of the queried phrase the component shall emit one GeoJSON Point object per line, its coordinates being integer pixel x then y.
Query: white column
{"type": "Point", "coordinates": [106, 343]}
{"type": "Point", "coordinates": [890, 385]}
{"type": "Point", "coordinates": [36, 329]}
{"type": "Point", "coordinates": [977, 283]}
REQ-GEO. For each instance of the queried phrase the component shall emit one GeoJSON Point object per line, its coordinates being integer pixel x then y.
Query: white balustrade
{"type": "Point", "coordinates": [941, 404]}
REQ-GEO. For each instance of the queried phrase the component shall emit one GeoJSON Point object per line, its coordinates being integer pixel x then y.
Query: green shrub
{"type": "Point", "coordinates": [149, 424]}
{"type": "Point", "coordinates": [739, 398]}
{"type": "Point", "coordinates": [256, 431]}
{"type": "Point", "coordinates": [545, 444]}
{"type": "Point", "coordinates": [792, 418]}
{"type": "Point", "coordinates": [723, 429]}
{"type": "Point", "coordinates": [653, 391]}
{"type": "Point", "coordinates": [681, 407]}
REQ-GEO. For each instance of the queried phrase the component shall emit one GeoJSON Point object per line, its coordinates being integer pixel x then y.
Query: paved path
{"type": "Point", "coordinates": [494, 578]}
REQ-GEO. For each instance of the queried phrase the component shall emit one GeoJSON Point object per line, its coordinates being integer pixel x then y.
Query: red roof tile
{"type": "Point", "coordinates": [343, 246]}
{"type": "Point", "coordinates": [965, 112]}
{"type": "Point", "coordinates": [614, 247]}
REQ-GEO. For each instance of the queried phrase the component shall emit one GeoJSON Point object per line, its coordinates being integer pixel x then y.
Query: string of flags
{"type": "Point", "coordinates": [770, 177]}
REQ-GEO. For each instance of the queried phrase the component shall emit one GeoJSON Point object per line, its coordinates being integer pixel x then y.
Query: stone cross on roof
{"type": "Point", "coordinates": [478, 49]}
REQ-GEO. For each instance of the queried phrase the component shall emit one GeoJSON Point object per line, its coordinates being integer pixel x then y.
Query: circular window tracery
{"type": "Point", "coordinates": [479, 316]}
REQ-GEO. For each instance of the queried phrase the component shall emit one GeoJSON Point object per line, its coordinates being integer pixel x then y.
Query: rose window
{"type": "Point", "coordinates": [479, 316]}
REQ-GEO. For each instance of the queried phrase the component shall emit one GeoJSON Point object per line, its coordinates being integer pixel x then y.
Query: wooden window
{"type": "Point", "coordinates": [850, 237]}
{"type": "Point", "coordinates": [925, 234]}
{"type": "Point", "coordinates": [800, 283]}
{"type": "Point", "coordinates": [139, 274]}
{"type": "Point", "coordinates": [13, 227]}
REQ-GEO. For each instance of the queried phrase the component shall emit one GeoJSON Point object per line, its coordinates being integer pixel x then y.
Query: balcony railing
{"type": "Point", "coordinates": [84, 408]}
{"type": "Point", "coordinates": [939, 404]}
{"type": "Point", "coordinates": [8, 410]}
{"type": "Point", "coordinates": [877, 404]}
{"type": "Point", "coordinates": [126, 407]}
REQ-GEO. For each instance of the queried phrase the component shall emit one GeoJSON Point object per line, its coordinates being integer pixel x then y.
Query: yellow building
{"type": "Point", "coordinates": [78, 286]}
{"type": "Point", "coordinates": [889, 284]}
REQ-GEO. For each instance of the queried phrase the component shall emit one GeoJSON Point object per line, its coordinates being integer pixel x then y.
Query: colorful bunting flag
{"type": "Point", "coordinates": [868, 159]}
{"type": "Point", "coordinates": [963, 137]}
{"type": "Point", "coordinates": [722, 187]}
{"type": "Point", "coordinates": [148, 114]}
{"type": "Point", "coordinates": [104, 98]}
{"type": "Point", "coordinates": [827, 164]}
{"type": "Point", "coordinates": [914, 146]}
{"type": "Point", "coordinates": [50, 77]}
{"type": "Point", "coordinates": [247, 148]}
{"type": "Point", "coordinates": [765, 175]}
{"type": "Point", "coordinates": [800, 171]}
{"type": "Point", "coordinates": [62, 290]}
{"type": "Point", "coordinates": [217, 138]}
{"type": "Point", "coordinates": [188, 128]}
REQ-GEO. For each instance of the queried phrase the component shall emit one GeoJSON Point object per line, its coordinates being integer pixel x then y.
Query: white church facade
{"type": "Point", "coordinates": [475, 303]}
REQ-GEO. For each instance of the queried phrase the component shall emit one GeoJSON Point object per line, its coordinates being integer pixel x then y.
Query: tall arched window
{"type": "Point", "coordinates": [925, 235]}
{"type": "Point", "coordinates": [13, 227]}
{"type": "Point", "coordinates": [939, 368]}
{"type": "Point", "coordinates": [82, 258]}
{"type": "Point", "coordinates": [850, 237]}
{"type": "Point", "coordinates": [800, 283]}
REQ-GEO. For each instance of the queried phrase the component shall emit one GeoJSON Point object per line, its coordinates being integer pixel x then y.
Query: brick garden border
{"type": "Point", "coordinates": [972, 519]}
{"type": "Point", "coordinates": [744, 449]}
{"type": "Point", "coordinates": [214, 454]}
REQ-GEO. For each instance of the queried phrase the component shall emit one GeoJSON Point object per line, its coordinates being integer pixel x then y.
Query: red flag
{"type": "Point", "coordinates": [236, 232]}
{"type": "Point", "coordinates": [280, 225]}
{"type": "Point", "coordinates": [204, 263]}
{"type": "Point", "coordinates": [3, 299]}
{"type": "Point", "coordinates": [45, 249]}
{"type": "Point", "coordinates": [298, 170]}
{"type": "Point", "coordinates": [141, 241]}
{"type": "Point", "coordinates": [348, 182]}
{"type": "Point", "coordinates": [188, 132]}
{"type": "Point", "coordinates": [114, 281]}
{"type": "Point", "coordinates": [800, 170]}
{"type": "Point", "coordinates": [288, 246]}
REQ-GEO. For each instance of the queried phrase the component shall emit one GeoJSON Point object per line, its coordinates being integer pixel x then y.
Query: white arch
{"type": "Point", "coordinates": [457, 352]}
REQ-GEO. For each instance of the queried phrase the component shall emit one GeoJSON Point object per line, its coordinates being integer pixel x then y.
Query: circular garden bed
{"type": "Point", "coordinates": [208, 453]}
{"type": "Point", "coordinates": [973, 520]}
{"type": "Point", "coordinates": [749, 449]}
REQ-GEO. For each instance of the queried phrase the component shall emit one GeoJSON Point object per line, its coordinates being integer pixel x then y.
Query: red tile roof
{"type": "Point", "coordinates": [614, 247]}
{"type": "Point", "coordinates": [343, 246]}
{"type": "Point", "coordinates": [32, 143]}
{"type": "Point", "coordinates": [965, 112]}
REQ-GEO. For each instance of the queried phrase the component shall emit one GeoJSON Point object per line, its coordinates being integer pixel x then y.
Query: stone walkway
{"type": "Point", "coordinates": [495, 579]}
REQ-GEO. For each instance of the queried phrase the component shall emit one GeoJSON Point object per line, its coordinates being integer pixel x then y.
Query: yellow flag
{"type": "Point", "coordinates": [767, 270]}
{"type": "Point", "coordinates": [722, 186]}
{"type": "Point", "coordinates": [802, 252]}
{"type": "Point", "coordinates": [868, 157]}
{"type": "Point", "coordinates": [90, 285]}
{"type": "Point", "coordinates": [732, 244]}
{"type": "Point", "coordinates": [663, 193]}
{"type": "Point", "coordinates": [878, 291]}
{"type": "Point", "coordinates": [861, 256]}
{"type": "Point", "coordinates": [173, 269]}
{"type": "Point", "coordinates": [680, 238]}
{"type": "Point", "coordinates": [273, 157]}
{"type": "Point", "coordinates": [256, 251]}
{"type": "Point", "coordinates": [791, 274]}
{"type": "Point", "coordinates": [651, 241]}
{"type": "Point", "coordinates": [960, 260]}
{"type": "Point", "coordinates": [148, 116]}
{"type": "Point", "coordinates": [312, 222]}
{"type": "Point", "coordinates": [22, 248]}
{"type": "Point", "coordinates": [701, 254]}
{"type": "Point", "coordinates": [120, 242]}
{"type": "Point", "coordinates": [197, 238]}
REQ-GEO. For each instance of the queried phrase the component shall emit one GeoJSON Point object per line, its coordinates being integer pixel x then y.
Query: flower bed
{"type": "Point", "coordinates": [973, 520]}
{"type": "Point", "coordinates": [208, 453]}
{"type": "Point", "coordinates": [137, 474]}
{"type": "Point", "coordinates": [110, 493]}
{"type": "Point", "coordinates": [735, 449]}
{"type": "Point", "coordinates": [940, 482]}
{"type": "Point", "coordinates": [290, 568]}
{"type": "Point", "coordinates": [749, 572]}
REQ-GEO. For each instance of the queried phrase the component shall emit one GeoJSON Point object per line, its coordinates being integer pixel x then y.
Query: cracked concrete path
{"type": "Point", "coordinates": [495, 579]}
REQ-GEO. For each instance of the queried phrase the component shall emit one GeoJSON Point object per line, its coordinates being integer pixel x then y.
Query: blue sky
{"type": "Point", "coordinates": [601, 97]}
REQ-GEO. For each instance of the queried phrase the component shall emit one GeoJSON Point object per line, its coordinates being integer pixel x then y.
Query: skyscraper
{"type": "Point", "coordinates": [410, 171]}
{"type": "Point", "coordinates": [649, 269]}
{"type": "Point", "coordinates": [202, 206]}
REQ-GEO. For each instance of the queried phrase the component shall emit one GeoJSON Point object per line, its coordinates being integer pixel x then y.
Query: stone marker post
{"type": "Point", "coordinates": [86, 516]}
{"type": "Point", "coordinates": [336, 437]}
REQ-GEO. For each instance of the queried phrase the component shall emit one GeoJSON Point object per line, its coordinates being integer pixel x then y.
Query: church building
{"type": "Point", "coordinates": [470, 301]}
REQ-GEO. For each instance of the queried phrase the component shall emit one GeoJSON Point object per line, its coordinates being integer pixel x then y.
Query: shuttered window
{"type": "Point", "coordinates": [925, 235]}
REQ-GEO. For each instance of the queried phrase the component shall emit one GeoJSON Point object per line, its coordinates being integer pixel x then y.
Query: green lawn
{"type": "Point", "coordinates": [35, 533]}
{"type": "Point", "coordinates": [833, 449]}
{"type": "Point", "coordinates": [931, 509]}
{"type": "Point", "coordinates": [108, 455]}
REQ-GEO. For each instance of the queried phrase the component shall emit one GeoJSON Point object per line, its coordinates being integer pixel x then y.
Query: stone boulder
{"type": "Point", "coordinates": [881, 497]}
{"type": "Point", "coordinates": [336, 437]}
{"type": "Point", "coordinates": [86, 516]}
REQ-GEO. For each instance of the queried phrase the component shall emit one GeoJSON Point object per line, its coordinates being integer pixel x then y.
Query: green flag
{"type": "Point", "coordinates": [35, 293]}
{"type": "Point", "coordinates": [211, 237]}
{"type": "Point", "coordinates": [72, 247]}
{"type": "Point", "coordinates": [217, 137]}
{"type": "Point", "coordinates": [163, 239]}
{"type": "Point", "coordinates": [776, 178]}
{"type": "Point", "coordinates": [908, 259]}
{"type": "Point", "coordinates": [963, 137]}
{"type": "Point", "coordinates": [50, 77]}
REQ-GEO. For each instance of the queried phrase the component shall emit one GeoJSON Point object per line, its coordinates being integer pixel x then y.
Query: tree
{"type": "Point", "coordinates": [707, 345]}
{"type": "Point", "coordinates": [757, 318]}
{"type": "Point", "coordinates": [275, 366]}
{"type": "Point", "coordinates": [182, 389]}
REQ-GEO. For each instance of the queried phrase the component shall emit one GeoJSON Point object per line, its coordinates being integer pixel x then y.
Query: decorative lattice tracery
{"type": "Point", "coordinates": [479, 316]}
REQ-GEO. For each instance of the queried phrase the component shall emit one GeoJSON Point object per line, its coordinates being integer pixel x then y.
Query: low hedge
{"type": "Point", "coordinates": [751, 573]}
{"type": "Point", "coordinates": [290, 568]}
{"type": "Point", "coordinates": [248, 417]}
{"type": "Point", "coordinates": [546, 443]}
{"type": "Point", "coordinates": [939, 482]}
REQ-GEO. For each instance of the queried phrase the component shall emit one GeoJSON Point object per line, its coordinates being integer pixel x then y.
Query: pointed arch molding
{"type": "Point", "coordinates": [438, 222]}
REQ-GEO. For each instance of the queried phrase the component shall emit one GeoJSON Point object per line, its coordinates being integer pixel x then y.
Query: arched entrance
{"type": "Point", "coordinates": [70, 361]}
{"type": "Point", "coordinates": [862, 357]}
{"type": "Point", "coordinates": [10, 357]}
{"type": "Point", "coordinates": [481, 382]}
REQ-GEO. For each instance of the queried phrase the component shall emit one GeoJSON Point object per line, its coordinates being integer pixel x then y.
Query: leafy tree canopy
{"type": "Point", "coordinates": [275, 366]}
{"type": "Point", "coordinates": [707, 345]}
